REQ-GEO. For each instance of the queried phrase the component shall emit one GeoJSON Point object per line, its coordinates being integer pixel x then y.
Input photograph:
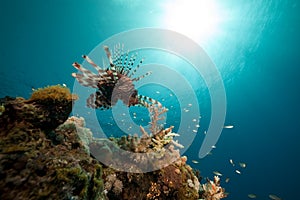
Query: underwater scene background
{"type": "Point", "coordinates": [253, 44]}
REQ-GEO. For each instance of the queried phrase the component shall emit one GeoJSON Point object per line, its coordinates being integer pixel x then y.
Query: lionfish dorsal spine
{"type": "Point", "coordinates": [141, 77]}
{"type": "Point", "coordinates": [112, 67]}
{"type": "Point", "coordinates": [118, 51]}
{"type": "Point", "coordinates": [114, 72]}
{"type": "Point", "coordinates": [126, 59]}
{"type": "Point", "coordinates": [108, 54]}
{"type": "Point", "coordinates": [136, 68]}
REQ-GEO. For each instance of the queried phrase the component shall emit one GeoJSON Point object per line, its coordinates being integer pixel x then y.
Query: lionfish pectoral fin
{"type": "Point", "coordinates": [91, 62]}
{"type": "Point", "coordinates": [86, 78]}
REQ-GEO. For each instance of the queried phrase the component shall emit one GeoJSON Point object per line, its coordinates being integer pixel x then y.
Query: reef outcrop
{"type": "Point", "coordinates": [46, 154]}
{"type": "Point", "coordinates": [39, 157]}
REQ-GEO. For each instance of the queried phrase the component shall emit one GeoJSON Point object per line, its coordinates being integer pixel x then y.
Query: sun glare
{"type": "Point", "coordinates": [197, 19]}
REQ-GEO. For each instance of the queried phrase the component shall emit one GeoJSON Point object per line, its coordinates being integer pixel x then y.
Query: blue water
{"type": "Point", "coordinates": [256, 52]}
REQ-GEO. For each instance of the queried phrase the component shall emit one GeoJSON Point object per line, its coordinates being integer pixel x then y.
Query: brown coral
{"type": "Point", "coordinates": [46, 109]}
{"type": "Point", "coordinates": [38, 161]}
{"type": "Point", "coordinates": [52, 93]}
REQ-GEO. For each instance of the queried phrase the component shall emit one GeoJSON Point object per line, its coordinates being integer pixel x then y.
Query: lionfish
{"type": "Point", "coordinates": [113, 83]}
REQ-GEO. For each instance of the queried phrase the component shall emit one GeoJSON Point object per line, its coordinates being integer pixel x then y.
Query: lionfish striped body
{"type": "Point", "coordinates": [113, 83]}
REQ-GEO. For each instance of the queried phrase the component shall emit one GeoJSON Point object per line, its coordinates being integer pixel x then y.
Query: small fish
{"type": "Point", "coordinates": [157, 92]}
{"type": "Point", "coordinates": [195, 161]}
{"type": "Point", "coordinates": [231, 162]}
{"type": "Point", "coordinates": [238, 172]}
{"type": "Point", "coordinates": [252, 196]}
{"type": "Point", "coordinates": [217, 173]}
{"type": "Point", "coordinates": [194, 120]}
{"type": "Point", "coordinates": [228, 126]}
{"type": "Point", "coordinates": [213, 146]}
{"type": "Point", "coordinates": [204, 132]}
{"type": "Point", "coordinates": [195, 131]}
{"type": "Point", "coordinates": [274, 197]}
{"type": "Point", "coordinates": [227, 180]}
{"type": "Point", "coordinates": [243, 165]}
{"type": "Point", "coordinates": [197, 125]}
{"type": "Point", "coordinates": [189, 104]}
{"type": "Point", "coordinates": [64, 85]}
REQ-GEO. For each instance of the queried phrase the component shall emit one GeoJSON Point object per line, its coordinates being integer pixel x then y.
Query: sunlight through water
{"type": "Point", "coordinates": [197, 19]}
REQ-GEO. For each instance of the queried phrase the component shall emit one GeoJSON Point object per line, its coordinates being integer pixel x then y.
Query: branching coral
{"type": "Point", "coordinates": [212, 190]}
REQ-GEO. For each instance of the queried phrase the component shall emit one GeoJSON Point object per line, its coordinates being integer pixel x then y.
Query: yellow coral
{"type": "Point", "coordinates": [55, 93]}
{"type": "Point", "coordinates": [2, 109]}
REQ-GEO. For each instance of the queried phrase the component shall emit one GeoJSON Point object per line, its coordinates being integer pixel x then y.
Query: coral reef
{"type": "Point", "coordinates": [39, 157]}
{"type": "Point", "coordinates": [172, 179]}
{"type": "Point", "coordinates": [45, 154]}
{"type": "Point", "coordinates": [212, 190]}
{"type": "Point", "coordinates": [47, 108]}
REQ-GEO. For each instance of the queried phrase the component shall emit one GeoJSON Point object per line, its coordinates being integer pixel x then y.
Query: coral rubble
{"type": "Point", "coordinates": [45, 154]}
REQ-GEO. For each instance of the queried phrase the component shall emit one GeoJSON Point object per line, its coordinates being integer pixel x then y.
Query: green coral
{"type": "Point", "coordinates": [52, 93]}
